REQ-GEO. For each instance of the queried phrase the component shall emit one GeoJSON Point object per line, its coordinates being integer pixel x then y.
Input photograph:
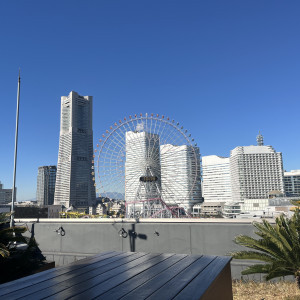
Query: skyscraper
{"type": "Point", "coordinates": [180, 175]}
{"type": "Point", "coordinates": [74, 180]}
{"type": "Point", "coordinates": [46, 185]}
{"type": "Point", "coordinates": [216, 184]}
{"type": "Point", "coordinates": [255, 172]}
{"type": "Point", "coordinates": [142, 159]}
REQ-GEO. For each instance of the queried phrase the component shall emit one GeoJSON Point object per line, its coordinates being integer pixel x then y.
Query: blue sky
{"type": "Point", "coordinates": [223, 69]}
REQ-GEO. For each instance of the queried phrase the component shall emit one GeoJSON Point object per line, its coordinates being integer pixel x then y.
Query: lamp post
{"type": "Point", "coordinates": [12, 217]}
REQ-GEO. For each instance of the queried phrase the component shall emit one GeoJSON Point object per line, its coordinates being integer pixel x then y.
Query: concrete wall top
{"type": "Point", "coordinates": [156, 220]}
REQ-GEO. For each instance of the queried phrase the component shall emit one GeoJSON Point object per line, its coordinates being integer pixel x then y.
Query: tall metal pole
{"type": "Point", "coordinates": [12, 217]}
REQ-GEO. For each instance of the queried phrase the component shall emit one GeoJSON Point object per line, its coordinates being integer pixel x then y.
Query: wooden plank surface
{"type": "Point", "coordinates": [198, 286]}
{"type": "Point", "coordinates": [58, 285]}
{"type": "Point", "coordinates": [148, 288]}
{"type": "Point", "coordinates": [136, 281]}
{"type": "Point", "coordinates": [61, 275]}
{"type": "Point", "coordinates": [110, 279]}
{"type": "Point", "coordinates": [126, 275]}
{"type": "Point", "coordinates": [52, 273]}
{"type": "Point", "coordinates": [182, 279]}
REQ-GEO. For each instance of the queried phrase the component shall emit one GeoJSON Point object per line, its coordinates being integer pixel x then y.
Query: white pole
{"type": "Point", "coordinates": [12, 222]}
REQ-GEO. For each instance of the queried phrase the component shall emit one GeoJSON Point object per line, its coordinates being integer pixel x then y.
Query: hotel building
{"type": "Point", "coordinates": [142, 160]}
{"type": "Point", "coordinates": [255, 172]}
{"type": "Point", "coordinates": [180, 175]}
{"type": "Point", "coordinates": [216, 181]}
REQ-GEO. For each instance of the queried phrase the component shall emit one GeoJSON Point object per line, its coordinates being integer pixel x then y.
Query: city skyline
{"type": "Point", "coordinates": [223, 70]}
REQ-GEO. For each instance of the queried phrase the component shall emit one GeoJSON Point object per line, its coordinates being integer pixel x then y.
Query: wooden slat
{"type": "Point", "coordinates": [62, 289]}
{"type": "Point", "coordinates": [101, 287]}
{"type": "Point", "coordinates": [136, 281]}
{"type": "Point", "coordinates": [177, 283]}
{"type": "Point", "coordinates": [145, 290]}
{"type": "Point", "coordinates": [130, 276]}
{"type": "Point", "coordinates": [202, 282]}
{"type": "Point", "coordinates": [75, 275]}
{"type": "Point", "coordinates": [46, 275]}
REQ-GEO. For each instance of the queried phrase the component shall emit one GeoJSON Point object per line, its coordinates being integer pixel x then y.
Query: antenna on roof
{"type": "Point", "coordinates": [260, 139]}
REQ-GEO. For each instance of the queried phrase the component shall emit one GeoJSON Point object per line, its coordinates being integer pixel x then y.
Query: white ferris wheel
{"type": "Point", "coordinates": [152, 163]}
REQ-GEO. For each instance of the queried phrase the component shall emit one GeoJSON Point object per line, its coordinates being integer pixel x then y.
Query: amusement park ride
{"type": "Point", "coordinates": [153, 162]}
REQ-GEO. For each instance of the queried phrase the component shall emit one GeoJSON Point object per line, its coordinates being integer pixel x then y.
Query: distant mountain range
{"type": "Point", "coordinates": [113, 195]}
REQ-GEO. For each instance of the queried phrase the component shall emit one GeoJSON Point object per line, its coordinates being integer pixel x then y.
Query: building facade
{"type": "Point", "coordinates": [255, 172]}
{"type": "Point", "coordinates": [74, 181]}
{"type": "Point", "coordinates": [46, 185]}
{"type": "Point", "coordinates": [6, 195]}
{"type": "Point", "coordinates": [181, 175]}
{"type": "Point", "coordinates": [142, 160]}
{"type": "Point", "coordinates": [216, 181]}
{"type": "Point", "coordinates": [292, 183]}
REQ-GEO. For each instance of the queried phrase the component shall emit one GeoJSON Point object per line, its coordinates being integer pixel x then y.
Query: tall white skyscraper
{"type": "Point", "coordinates": [216, 181]}
{"type": "Point", "coordinates": [142, 159]}
{"type": "Point", "coordinates": [255, 172]}
{"type": "Point", "coordinates": [180, 175]}
{"type": "Point", "coordinates": [74, 180]}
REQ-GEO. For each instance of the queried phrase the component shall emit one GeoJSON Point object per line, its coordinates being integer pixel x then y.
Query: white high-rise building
{"type": "Point", "coordinates": [142, 159]}
{"type": "Point", "coordinates": [216, 181]}
{"type": "Point", "coordinates": [255, 172]}
{"type": "Point", "coordinates": [74, 180]}
{"type": "Point", "coordinates": [180, 175]}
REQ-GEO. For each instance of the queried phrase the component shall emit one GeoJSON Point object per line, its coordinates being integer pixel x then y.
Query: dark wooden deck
{"type": "Point", "coordinates": [129, 275]}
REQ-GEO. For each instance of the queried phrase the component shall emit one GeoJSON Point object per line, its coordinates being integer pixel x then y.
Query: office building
{"type": "Point", "coordinates": [142, 160]}
{"type": "Point", "coordinates": [216, 181]}
{"type": "Point", "coordinates": [292, 183]}
{"type": "Point", "coordinates": [46, 185]}
{"type": "Point", "coordinates": [255, 172]}
{"type": "Point", "coordinates": [6, 195]}
{"type": "Point", "coordinates": [74, 180]}
{"type": "Point", "coordinates": [180, 175]}
{"type": "Point", "coordinates": [232, 209]}
{"type": "Point", "coordinates": [212, 208]}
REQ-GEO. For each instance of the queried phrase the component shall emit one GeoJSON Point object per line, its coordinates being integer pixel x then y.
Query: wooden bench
{"type": "Point", "coordinates": [129, 275]}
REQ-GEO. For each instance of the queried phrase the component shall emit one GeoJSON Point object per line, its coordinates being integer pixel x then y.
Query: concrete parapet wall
{"type": "Point", "coordinates": [86, 237]}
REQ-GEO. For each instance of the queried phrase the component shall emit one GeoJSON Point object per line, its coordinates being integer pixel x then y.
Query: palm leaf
{"type": "Point", "coordinates": [252, 255]}
{"type": "Point", "coordinates": [4, 252]}
{"type": "Point", "coordinates": [257, 268]}
{"type": "Point", "coordinates": [278, 246]}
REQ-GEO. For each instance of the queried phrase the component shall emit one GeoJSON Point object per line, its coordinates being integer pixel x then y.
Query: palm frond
{"type": "Point", "coordinates": [257, 268]}
{"type": "Point", "coordinates": [4, 252]}
{"type": "Point", "coordinates": [279, 272]}
{"type": "Point", "coordinates": [278, 246]}
{"type": "Point", "coordinates": [263, 245]}
{"type": "Point", "coordinates": [252, 255]}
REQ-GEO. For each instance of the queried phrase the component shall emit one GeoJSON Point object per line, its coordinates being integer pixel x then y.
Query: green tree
{"type": "Point", "coordinates": [8, 236]}
{"type": "Point", "coordinates": [278, 246]}
{"type": "Point", "coordinates": [16, 261]}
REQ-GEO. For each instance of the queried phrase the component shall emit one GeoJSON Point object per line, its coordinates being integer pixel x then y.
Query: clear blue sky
{"type": "Point", "coordinates": [223, 69]}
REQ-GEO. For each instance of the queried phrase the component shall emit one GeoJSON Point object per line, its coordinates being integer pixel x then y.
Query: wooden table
{"type": "Point", "coordinates": [129, 275]}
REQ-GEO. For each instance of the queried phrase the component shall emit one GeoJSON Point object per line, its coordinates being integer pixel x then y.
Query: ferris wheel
{"type": "Point", "coordinates": [152, 163]}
